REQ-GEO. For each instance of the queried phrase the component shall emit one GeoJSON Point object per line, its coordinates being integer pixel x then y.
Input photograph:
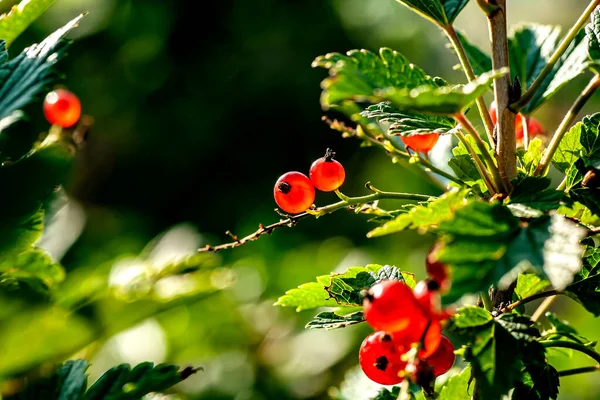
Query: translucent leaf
{"type": "Point", "coordinates": [569, 149]}
{"type": "Point", "coordinates": [471, 317]}
{"type": "Point", "coordinates": [530, 284]}
{"type": "Point", "coordinates": [406, 124]}
{"type": "Point", "coordinates": [457, 387]}
{"type": "Point", "coordinates": [20, 17]}
{"type": "Point", "coordinates": [328, 320]}
{"type": "Point", "coordinates": [33, 266]}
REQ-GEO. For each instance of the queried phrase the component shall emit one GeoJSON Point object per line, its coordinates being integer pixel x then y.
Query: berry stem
{"type": "Point", "coordinates": [485, 299]}
{"type": "Point", "coordinates": [572, 345]}
{"type": "Point", "coordinates": [562, 47]}
{"type": "Point", "coordinates": [529, 299]}
{"type": "Point", "coordinates": [575, 371]}
{"type": "Point", "coordinates": [565, 124]}
{"type": "Point", "coordinates": [291, 221]}
{"type": "Point", "coordinates": [468, 69]}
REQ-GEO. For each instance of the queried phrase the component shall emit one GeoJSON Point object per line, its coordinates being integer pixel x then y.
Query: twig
{"type": "Point", "coordinates": [590, 89]}
{"type": "Point", "coordinates": [541, 310]}
{"type": "Point", "coordinates": [562, 47]}
{"type": "Point", "coordinates": [572, 345]}
{"type": "Point", "coordinates": [292, 220]}
{"type": "Point", "coordinates": [581, 370]}
{"type": "Point", "coordinates": [489, 183]}
{"type": "Point", "coordinates": [506, 142]}
{"type": "Point", "coordinates": [529, 299]}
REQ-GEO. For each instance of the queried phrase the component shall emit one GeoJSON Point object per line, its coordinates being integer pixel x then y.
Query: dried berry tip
{"type": "Point", "coordinates": [381, 363]}
{"type": "Point", "coordinates": [329, 155]}
{"type": "Point", "coordinates": [284, 187]}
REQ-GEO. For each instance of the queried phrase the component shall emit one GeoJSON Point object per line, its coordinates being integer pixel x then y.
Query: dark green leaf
{"type": "Point", "coordinates": [20, 17]}
{"type": "Point", "coordinates": [590, 197]}
{"type": "Point", "coordinates": [592, 31]}
{"type": "Point", "coordinates": [479, 60]}
{"type": "Point", "coordinates": [465, 169]}
{"type": "Point", "coordinates": [586, 285]}
{"type": "Point", "coordinates": [27, 75]}
{"type": "Point", "coordinates": [431, 9]}
{"type": "Point", "coordinates": [478, 219]}
{"type": "Point", "coordinates": [328, 320]}
{"type": "Point", "coordinates": [425, 215]}
{"type": "Point", "coordinates": [532, 192]}
{"type": "Point", "coordinates": [124, 383]}
{"type": "Point", "coordinates": [358, 74]}
{"type": "Point", "coordinates": [405, 124]}
{"type": "Point", "coordinates": [453, 8]}
{"type": "Point", "coordinates": [435, 100]}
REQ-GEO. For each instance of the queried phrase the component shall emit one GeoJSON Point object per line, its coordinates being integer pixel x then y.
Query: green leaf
{"type": "Point", "coordinates": [464, 167]}
{"type": "Point", "coordinates": [124, 383]}
{"type": "Point", "coordinates": [530, 284]}
{"type": "Point", "coordinates": [328, 320]}
{"type": "Point", "coordinates": [532, 157]}
{"type": "Point", "coordinates": [341, 289]}
{"type": "Point", "coordinates": [405, 124]}
{"type": "Point", "coordinates": [358, 74]}
{"type": "Point", "coordinates": [569, 149]}
{"type": "Point", "coordinates": [436, 100]}
{"type": "Point", "coordinates": [27, 75]}
{"type": "Point", "coordinates": [457, 387]}
{"type": "Point", "coordinates": [34, 266]}
{"type": "Point", "coordinates": [425, 215]}
{"type": "Point", "coordinates": [561, 330]}
{"type": "Point", "coordinates": [20, 17]}
{"type": "Point", "coordinates": [592, 31]}
{"type": "Point", "coordinates": [478, 219]}
{"type": "Point", "coordinates": [533, 192]}
{"type": "Point", "coordinates": [480, 61]}
{"type": "Point", "coordinates": [530, 48]}
{"type": "Point", "coordinates": [453, 8]}
{"type": "Point", "coordinates": [586, 285]}
{"type": "Point", "coordinates": [471, 317]}
{"type": "Point", "coordinates": [579, 212]}
{"type": "Point", "coordinates": [430, 9]}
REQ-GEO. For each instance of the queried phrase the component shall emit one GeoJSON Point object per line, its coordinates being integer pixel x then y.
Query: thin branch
{"type": "Point", "coordinates": [581, 370]}
{"type": "Point", "coordinates": [562, 47]}
{"type": "Point", "coordinates": [529, 299]}
{"type": "Point", "coordinates": [565, 124]}
{"type": "Point", "coordinates": [292, 220]}
{"type": "Point", "coordinates": [505, 127]}
{"type": "Point", "coordinates": [541, 310]}
{"type": "Point", "coordinates": [572, 345]}
{"type": "Point", "coordinates": [525, 126]}
{"type": "Point", "coordinates": [468, 69]}
{"type": "Point", "coordinates": [485, 175]}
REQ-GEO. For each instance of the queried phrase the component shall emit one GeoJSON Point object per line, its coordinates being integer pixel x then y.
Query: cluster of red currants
{"type": "Point", "coordinates": [407, 319]}
{"type": "Point", "coordinates": [62, 108]}
{"type": "Point", "coordinates": [295, 193]}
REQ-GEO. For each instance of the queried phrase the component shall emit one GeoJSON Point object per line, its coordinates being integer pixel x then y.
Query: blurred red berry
{"type": "Point", "coordinates": [391, 306]}
{"type": "Point", "coordinates": [443, 358]}
{"type": "Point", "coordinates": [436, 270]}
{"type": "Point", "coordinates": [62, 108]}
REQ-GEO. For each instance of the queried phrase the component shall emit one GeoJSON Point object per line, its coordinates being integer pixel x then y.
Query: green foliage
{"type": "Point", "coordinates": [457, 387]}
{"type": "Point", "coordinates": [530, 159]}
{"type": "Point", "coordinates": [530, 284]}
{"type": "Point", "coordinates": [341, 289]}
{"type": "Point", "coordinates": [405, 124]}
{"type": "Point", "coordinates": [69, 382]}
{"type": "Point", "coordinates": [479, 60]}
{"type": "Point", "coordinates": [586, 285]}
{"type": "Point", "coordinates": [592, 31]}
{"type": "Point", "coordinates": [20, 17]}
{"type": "Point", "coordinates": [442, 12]}
{"type": "Point", "coordinates": [533, 192]}
{"type": "Point", "coordinates": [328, 320]}
{"type": "Point", "coordinates": [27, 75]}
{"type": "Point", "coordinates": [34, 267]}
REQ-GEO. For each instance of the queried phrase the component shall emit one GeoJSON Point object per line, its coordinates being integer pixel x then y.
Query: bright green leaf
{"type": "Point", "coordinates": [20, 17]}
{"type": "Point", "coordinates": [32, 266]}
{"type": "Point", "coordinates": [569, 149]}
{"type": "Point", "coordinates": [471, 317]}
{"type": "Point", "coordinates": [457, 387]}
{"type": "Point", "coordinates": [532, 157]}
{"type": "Point", "coordinates": [530, 284]}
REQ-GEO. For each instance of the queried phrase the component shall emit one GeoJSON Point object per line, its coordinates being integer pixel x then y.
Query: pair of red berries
{"type": "Point", "coordinates": [294, 192]}
{"type": "Point", "coordinates": [404, 318]}
{"type": "Point", "coordinates": [534, 127]}
{"type": "Point", "coordinates": [62, 108]}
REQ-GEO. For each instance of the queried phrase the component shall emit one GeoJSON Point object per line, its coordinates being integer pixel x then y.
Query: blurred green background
{"type": "Point", "coordinates": [198, 109]}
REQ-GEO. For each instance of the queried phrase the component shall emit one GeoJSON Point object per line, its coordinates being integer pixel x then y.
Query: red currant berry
{"type": "Point", "coordinates": [413, 334]}
{"type": "Point", "coordinates": [326, 173]}
{"type": "Point", "coordinates": [294, 193]}
{"type": "Point", "coordinates": [427, 294]}
{"type": "Point", "coordinates": [62, 108]}
{"type": "Point", "coordinates": [380, 360]}
{"type": "Point", "coordinates": [443, 358]}
{"type": "Point", "coordinates": [534, 127]}
{"type": "Point", "coordinates": [391, 306]}
{"type": "Point", "coordinates": [436, 270]}
{"type": "Point", "coordinates": [421, 143]}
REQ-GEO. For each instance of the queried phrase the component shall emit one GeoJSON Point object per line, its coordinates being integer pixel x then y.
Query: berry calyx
{"type": "Point", "coordinates": [380, 360]}
{"type": "Point", "coordinates": [420, 373]}
{"type": "Point", "coordinates": [534, 127]}
{"type": "Point", "coordinates": [294, 193]}
{"type": "Point", "coordinates": [62, 108]}
{"type": "Point", "coordinates": [326, 173]}
{"type": "Point", "coordinates": [391, 306]}
{"type": "Point", "coordinates": [407, 338]}
{"type": "Point", "coordinates": [443, 358]}
{"type": "Point", "coordinates": [421, 143]}
{"type": "Point", "coordinates": [436, 270]}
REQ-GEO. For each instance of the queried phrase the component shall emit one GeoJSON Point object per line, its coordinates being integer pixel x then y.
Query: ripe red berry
{"type": "Point", "coordinates": [421, 143]}
{"type": "Point", "coordinates": [380, 360]}
{"type": "Point", "coordinates": [62, 108]}
{"type": "Point", "coordinates": [404, 339]}
{"type": "Point", "coordinates": [293, 192]}
{"type": "Point", "coordinates": [391, 306]}
{"type": "Point", "coordinates": [436, 270]}
{"type": "Point", "coordinates": [535, 128]}
{"type": "Point", "coordinates": [427, 294]}
{"type": "Point", "coordinates": [326, 173]}
{"type": "Point", "coordinates": [443, 358]}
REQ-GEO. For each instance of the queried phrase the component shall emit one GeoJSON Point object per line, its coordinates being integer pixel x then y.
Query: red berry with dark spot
{"type": "Point", "coordinates": [412, 335]}
{"type": "Point", "coordinates": [326, 173]}
{"type": "Point", "coordinates": [391, 306]}
{"type": "Point", "coordinates": [421, 143]}
{"type": "Point", "coordinates": [443, 358]}
{"type": "Point", "coordinates": [380, 360]}
{"type": "Point", "coordinates": [436, 270]}
{"type": "Point", "coordinates": [294, 193]}
{"type": "Point", "coordinates": [62, 108]}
